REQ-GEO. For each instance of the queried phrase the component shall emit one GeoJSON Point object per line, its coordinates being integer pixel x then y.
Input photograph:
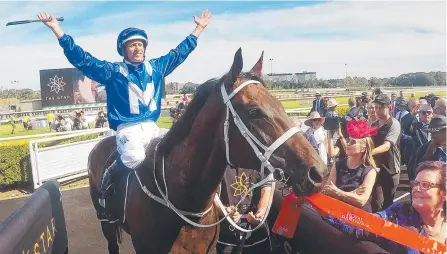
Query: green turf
{"type": "Point", "coordinates": [5, 130]}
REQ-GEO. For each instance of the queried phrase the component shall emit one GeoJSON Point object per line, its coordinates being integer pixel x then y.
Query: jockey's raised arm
{"type": "Point", "coordinates": [167, 63]}
{"type": "Point", "coordinates": [95, 69]}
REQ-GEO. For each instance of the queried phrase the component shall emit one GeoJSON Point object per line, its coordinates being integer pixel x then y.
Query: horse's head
{"type": "Point", "coordinates": [257, 121]}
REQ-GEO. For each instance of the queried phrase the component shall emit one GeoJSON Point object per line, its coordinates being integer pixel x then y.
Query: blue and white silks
{"type": "Point", "coordinates": [134, 92]}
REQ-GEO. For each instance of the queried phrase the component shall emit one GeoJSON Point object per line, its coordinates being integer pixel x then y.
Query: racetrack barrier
{"type": "Point", "coordinates": [38, 226]}
{"type": "Point", "coordinates": [55, 162]}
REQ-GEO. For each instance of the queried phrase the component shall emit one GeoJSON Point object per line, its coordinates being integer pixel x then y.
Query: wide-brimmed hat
{"type": "Point", "coordinates": [437, 124]}
{"type": "Point", "coordinates": [332, 103]}
{"type": "Point", "coordinates": [313, 115]}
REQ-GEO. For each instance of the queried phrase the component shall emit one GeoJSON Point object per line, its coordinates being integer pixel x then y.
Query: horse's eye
{"type": "Point", "coordinates": [255, 113]}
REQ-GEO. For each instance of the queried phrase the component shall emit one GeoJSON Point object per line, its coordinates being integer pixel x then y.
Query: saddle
{"type": "Point", "coordinates": [114, 205]}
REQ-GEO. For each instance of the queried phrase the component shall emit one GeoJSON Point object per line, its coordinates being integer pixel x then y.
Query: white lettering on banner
{"type": "Point", "coordinates": [354, 218]}
{"type": "Point", "coordinates": [282, 230]}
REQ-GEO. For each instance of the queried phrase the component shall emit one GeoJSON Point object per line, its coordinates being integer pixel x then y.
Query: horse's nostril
{"type": "Point", "coordinates": [314, 176]}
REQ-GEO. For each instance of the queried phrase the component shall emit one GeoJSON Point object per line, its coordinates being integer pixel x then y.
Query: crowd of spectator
{"type": "Point", "coordinates": [368, 147]}
{"type": "Point", "coordinates": [76, 121]}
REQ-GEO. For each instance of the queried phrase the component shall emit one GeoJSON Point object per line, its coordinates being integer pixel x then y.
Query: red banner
{"type": "Point", "coordinates": [364, 220]}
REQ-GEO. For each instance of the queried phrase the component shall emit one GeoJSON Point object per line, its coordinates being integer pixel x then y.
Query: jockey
{"type": "Point", "coordinates": [133, 86]}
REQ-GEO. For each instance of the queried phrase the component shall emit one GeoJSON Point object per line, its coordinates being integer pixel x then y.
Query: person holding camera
{"type": "Point", "coordinates": [337, 150]}
{"type": "Point", "coordinates": [352, 178]}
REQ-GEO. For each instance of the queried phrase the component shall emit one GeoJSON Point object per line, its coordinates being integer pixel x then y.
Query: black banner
{"type": "Point", "coordinates": [56, 87]}
{"type": "Point", "coordinates": [38, 226]}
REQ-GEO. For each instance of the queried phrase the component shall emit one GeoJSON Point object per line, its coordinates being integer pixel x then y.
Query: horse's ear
{"type": "Point", "coordinates": [236, 68]}
{"type": "Point", "coordinates": [257, 68]}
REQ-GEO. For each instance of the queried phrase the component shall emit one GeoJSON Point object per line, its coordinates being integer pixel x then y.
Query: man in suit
{"type": "Point", "coordinates": [317, 104]}
{"type": "Point", "coordinates": [393, 104]}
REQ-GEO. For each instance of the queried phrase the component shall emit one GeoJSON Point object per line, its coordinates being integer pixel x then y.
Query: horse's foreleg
{"type": "Point", "coordinates": [110, 231]}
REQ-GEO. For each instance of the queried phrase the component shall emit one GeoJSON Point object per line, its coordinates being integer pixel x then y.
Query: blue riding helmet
{"type": "Point", "coordinates": [130, 34]}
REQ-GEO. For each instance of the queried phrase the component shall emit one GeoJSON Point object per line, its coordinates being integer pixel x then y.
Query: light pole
{"type": "Point", "coordinates": [346, 68]}
{"type": "Point", "coordinates": [271, 67]}
{"type": "Point", "coordinates": [12, 84]}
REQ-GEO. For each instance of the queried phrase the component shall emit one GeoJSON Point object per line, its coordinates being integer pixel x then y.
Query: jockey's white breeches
{"type": "Point", "coordinates": [132, 140]}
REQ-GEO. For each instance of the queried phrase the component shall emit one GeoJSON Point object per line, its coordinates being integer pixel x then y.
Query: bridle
{"type": "Point", "coordinates": [254, 143]}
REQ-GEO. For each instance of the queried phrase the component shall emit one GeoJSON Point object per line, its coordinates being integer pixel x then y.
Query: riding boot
{"type": "Point", "coordinates": [107, 188]}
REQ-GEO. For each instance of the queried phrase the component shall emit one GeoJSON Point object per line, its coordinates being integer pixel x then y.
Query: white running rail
{"type": "Point", "coordinates": [59, 161]}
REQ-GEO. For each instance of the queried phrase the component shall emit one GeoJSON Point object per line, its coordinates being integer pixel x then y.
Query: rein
{"type": "Point", "coordinates": [254, 143]}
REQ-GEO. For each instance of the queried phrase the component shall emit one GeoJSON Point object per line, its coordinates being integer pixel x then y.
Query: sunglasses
{"type": "Point", "coordinates": [425, 112]}
{"type": "Point", "coordinates": [424, 185]}
{"type": "Point", "coordinates": [352, 142]}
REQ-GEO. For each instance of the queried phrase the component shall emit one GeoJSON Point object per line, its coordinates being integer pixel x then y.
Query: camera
{"type": "Point", "coordinates": [332, 124]}
{"type": "Point", "coordinates": [361, 99]}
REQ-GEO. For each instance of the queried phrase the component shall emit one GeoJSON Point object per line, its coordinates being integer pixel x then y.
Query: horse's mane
{"type": "Point", "coordinates": [181, 129]}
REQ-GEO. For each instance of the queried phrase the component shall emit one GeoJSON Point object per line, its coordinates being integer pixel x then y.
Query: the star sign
{"type": "Point", "coordinates": [56, 84]}
{"type": "Point", "coordinates": [241, 185]}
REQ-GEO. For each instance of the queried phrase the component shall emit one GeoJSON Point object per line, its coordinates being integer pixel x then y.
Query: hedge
{"type": "Point", "coordinates": [15, 166]}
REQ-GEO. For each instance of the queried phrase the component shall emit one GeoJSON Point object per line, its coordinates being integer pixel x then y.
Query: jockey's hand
{"type": "Point", "coordinates": [256, 218]}
{"type": "Point", "coordinates": [204, 19]}
{"type": "Point", "coordinates": [48, 19]}
{"type": "Point", "coordinates": [234, 214]}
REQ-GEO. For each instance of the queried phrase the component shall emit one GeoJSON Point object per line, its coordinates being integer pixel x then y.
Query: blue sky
{"type": "Point", "coordinates": [375, 38]}
{"type": "Point", "coordinates": [90, 18]}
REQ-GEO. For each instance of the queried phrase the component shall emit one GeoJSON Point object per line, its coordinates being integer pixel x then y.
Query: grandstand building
{"type": "Point", "coordinates": [293, 77]}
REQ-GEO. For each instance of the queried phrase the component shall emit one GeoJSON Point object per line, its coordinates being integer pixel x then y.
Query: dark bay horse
{"type": "Point", "coordinates": [191, 158]}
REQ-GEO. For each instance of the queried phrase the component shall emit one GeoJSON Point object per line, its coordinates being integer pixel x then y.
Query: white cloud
{"type": "Point", "coordinates": [373, 38]}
